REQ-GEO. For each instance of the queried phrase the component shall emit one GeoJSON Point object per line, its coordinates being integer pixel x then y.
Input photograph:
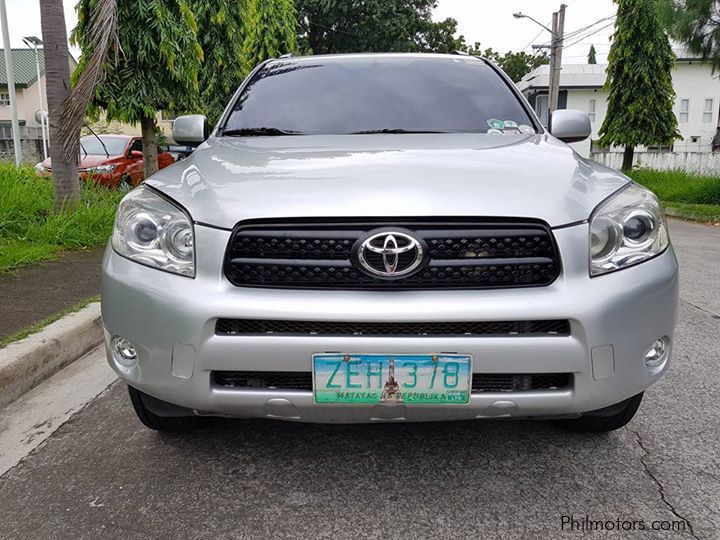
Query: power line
{"type": "Point", "coordinates": [589, 35]}
{"type": "Point", "coordinates": [579, 30]}
{"type": "Point", "coordinates": [526, 47]}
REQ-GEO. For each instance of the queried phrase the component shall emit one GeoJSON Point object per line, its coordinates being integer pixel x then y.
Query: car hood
{"type": "Point", "coordinates": [227, 180]}
{"type": "Point", "coordinates": [86, 161]}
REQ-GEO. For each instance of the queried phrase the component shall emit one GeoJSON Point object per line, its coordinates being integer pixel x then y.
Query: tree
{"type": "Point", "coordinates": [271, 31]}
{"type": "Point", "coordinates": [696, 23]}
{"type": "Point", "coordinates": [592, 59]}
{"type": "Point", "coordinates": [639, 81]}
{"type": "Point", "coordinates": [337, 26]}
{"type": "Point", "coordinates": [221, 35]}
{"type": "Point", "coordinates": [66, 184]}
{"type": "Point", "coordinates": [515, 64]}
{"type": "Point", "coordinates": [156, 68]}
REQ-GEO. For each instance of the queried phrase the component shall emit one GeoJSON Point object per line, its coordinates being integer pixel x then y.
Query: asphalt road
{"type": "Point", "coordinates": [102, 475]}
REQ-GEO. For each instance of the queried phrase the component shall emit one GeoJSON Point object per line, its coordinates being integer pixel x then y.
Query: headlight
{"type": "Point", "coordinates": [40, 168]}
{"type": "Point", "coordinates": [626, 229]}
{"type": "Point", "coordinates": [151, 230]}
{"type": "Point", "coordinates": [101, 169]}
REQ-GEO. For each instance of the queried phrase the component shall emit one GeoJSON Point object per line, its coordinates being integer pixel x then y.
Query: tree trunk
{"type": "Point", "coordinates": [150, 162]}
{"type": "Point", "coordinates": [628, 158]}
{"type": "Point", "coordinates": [57, 82]}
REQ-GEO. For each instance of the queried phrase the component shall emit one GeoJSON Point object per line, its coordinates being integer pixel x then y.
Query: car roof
{"type": "Point", "coordinates": [341, 56]}
{"type": "Point", "coordinates": [111, 136]}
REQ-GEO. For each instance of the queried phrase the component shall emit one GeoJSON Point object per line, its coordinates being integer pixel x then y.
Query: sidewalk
{"type": "Point", "coordinates": [34, 293]}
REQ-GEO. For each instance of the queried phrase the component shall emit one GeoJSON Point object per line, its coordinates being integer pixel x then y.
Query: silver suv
{"type": "Point", "coordinates": [387, 237]}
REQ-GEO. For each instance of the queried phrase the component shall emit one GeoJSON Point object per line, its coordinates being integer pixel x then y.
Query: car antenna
{"type": "Point", "coordinates": [107, 154]}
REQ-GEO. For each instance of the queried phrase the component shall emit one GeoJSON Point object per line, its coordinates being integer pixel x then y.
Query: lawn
{"type": "Point", "coordinates": [30, 232]}
{"type": "Point", "coordinates": [683, 194]}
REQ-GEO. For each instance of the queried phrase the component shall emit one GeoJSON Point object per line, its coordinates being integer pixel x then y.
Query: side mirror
{"type": "Point", "coordinates": [570, 126]}
{"type": "Point", "coordinates": [190, 130]}
{"type": "Point", "coordinates": [136, 154]}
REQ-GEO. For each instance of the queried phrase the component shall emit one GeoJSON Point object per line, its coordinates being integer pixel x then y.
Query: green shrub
{"type": "Point", "coordinates": [680, 186]}
{"type": "Point", "coordinates": [31, 232]}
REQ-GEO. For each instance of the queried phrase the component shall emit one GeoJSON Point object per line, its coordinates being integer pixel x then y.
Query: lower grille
{"type": "Point", "coordinates": [302, 380]}
{"type": "Point", "coordinates": [500, 382]}
{"type": "Point", "coordinates": [290, 380]}
{"type": "Point", "coordinates": [261, 327]}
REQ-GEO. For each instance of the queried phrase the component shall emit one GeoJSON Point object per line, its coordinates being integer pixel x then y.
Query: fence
{"type": "Point", "coordinates": [696, 162]}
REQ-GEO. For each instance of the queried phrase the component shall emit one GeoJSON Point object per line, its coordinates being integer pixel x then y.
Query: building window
{"type": "Point", "coordinates": [541, 108]}
{"type": "Point", "coordinates": [660, 149]}
{"type": "Point", "coordinates": [591, 110]}
{"type": "Point", "coordinates": [684, 110]}
{"type": "Point", "coordinates": [708, 110]}
{"type": "Point", "coordinates": [4, 98]}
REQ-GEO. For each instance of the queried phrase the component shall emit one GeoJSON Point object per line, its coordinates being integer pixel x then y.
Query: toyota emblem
{"type": "Point", "coordinates": [390, 254]}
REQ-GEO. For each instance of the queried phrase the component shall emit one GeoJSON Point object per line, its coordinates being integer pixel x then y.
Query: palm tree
{"type": "Point", "coordinates": [57, 81]}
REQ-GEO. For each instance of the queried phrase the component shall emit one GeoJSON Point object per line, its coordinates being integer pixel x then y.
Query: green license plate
{"type": "Point", "coordinates": [392, 378]}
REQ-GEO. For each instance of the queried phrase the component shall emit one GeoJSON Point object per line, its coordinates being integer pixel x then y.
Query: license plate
{"type": "Point", "coordinates": [392, 378]}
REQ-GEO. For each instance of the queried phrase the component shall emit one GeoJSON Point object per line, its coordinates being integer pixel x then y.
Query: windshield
{"type": "Point", "coordinates": [91, 146]}
{"type": "Point", "coordinates": [370, 94]}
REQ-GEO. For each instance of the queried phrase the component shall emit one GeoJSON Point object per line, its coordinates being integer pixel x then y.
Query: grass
{"type": "Point", "coordinates": [31, 232]}
{"type": "Point", "coordinates": [36, 327]}
{"type": "Point", "coordinates": [683, 194]}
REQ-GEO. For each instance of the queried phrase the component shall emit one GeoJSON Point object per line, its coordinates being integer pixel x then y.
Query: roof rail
{"type": "Point", "coordinates": [461, 53]}
{"type": "Point", "coordinates": [288, 55]}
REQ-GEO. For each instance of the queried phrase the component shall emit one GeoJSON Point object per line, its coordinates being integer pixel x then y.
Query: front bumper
{"type": "Point", "coordinates": [171, 321]}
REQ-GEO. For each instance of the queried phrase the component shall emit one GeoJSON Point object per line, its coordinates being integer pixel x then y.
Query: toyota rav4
{"type": "Point", "coordinates": [383, 238]}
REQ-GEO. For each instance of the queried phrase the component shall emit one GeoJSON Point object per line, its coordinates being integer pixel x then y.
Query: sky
{"type": "Point", "coordinates": [491, 23]}
{"type": "Point", "coordinates": [488, 21]}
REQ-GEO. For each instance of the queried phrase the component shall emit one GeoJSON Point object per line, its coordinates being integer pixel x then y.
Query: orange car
{"type": "Point", "coordinates": [112, 160]}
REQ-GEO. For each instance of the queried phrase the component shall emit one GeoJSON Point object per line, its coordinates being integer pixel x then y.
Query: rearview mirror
{"type": "Point", "coordinates": [570, 126]}
{"type": "Point", "coordinates": [190, 130]}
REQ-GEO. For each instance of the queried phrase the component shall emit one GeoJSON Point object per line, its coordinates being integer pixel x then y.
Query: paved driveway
{"type": "Point", "coordinates": [102, 475]}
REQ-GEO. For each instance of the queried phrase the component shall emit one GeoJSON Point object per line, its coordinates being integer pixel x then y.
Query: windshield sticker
{"type": "Point", "coordinates": [510, 124]}
{"type": "Point", "coordinates": [494, 123]}
{"type": "Point", "coordinates": [527, 130]}
{"type": "Point", "coordinates": [494, 132]}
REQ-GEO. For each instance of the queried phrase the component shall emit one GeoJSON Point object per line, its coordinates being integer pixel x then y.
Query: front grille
{"type": "Point", "coordinates": [460, 254]}
{"type": "Point", "coordinates": [261, 327]}
{"type": "Point", "coordinates": [302, 380]}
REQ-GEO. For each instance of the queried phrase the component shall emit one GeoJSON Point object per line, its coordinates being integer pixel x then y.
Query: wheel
{"type": "Point", "coordinates": [607, 419]}
{"type": "Point", "coordinates": [175, 419]}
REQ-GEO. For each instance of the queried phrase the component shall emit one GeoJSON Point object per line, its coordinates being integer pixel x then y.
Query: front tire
{"type": "Point", "coordinates": [165, 423]}
{"type": "Point", "coordinates": [604, 420]}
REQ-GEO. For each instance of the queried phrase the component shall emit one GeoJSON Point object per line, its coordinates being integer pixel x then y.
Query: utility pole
{"type": "Point", "coordinates": [556, 45]}
{"type": "Point", "coordinates": [558, 33]}
{"type": "Point", "coordinates": [11, 83]}
{"type": "Point", "coordinates": [33, 42]}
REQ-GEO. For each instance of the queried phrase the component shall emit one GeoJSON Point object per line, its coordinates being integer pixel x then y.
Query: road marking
{"type": "Point", "coordinates": [27, 422]}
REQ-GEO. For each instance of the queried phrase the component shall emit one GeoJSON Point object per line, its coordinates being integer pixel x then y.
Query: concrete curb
{"type": "Point", "coordinates": [27, 362]}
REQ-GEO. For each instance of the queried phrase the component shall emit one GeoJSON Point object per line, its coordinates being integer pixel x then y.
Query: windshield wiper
{"type": "Point", "coordinates": [107, 154]}
{"type": "Point", "coordinates": [259, 132]}
{"type": "Point", "coordinates": [371, 131]}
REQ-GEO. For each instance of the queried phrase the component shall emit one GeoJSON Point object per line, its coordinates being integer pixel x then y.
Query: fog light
{"type": "Point", "coordinates": [657, 353]}
{"type": "Point", "coordinates": [124, 351]}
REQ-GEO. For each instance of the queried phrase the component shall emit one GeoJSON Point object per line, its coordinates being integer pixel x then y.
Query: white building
{"type": "Point", "coordinates": [697, 106]}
